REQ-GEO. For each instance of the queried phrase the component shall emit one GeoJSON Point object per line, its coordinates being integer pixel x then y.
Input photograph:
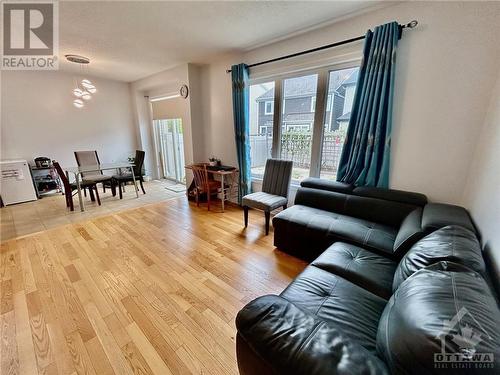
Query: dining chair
{"type": "Point", "coordinates": [90, 158]}
{"type": "Point", "coordinates": [274, 194]}
{"type": "Point", "coordinates": [120, 179]}
{"type": "Point", "coordinates": [204, 185]}
{"type": "Point", "coordinates": [69, 187]}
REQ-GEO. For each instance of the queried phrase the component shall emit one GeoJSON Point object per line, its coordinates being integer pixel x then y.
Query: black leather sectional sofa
{"type": "Point", "coordinates": [396, 286]}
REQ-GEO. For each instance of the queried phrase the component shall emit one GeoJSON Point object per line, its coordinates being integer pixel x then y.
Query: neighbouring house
{"type": "Point", "coordinates": [300, 103]}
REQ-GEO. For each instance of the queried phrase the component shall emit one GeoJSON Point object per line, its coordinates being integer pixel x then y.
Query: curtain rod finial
{"type": "Point", "coordinates": [412, 24]}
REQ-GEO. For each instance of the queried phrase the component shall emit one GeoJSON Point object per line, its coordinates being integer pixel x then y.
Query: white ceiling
{"type": "Point", "coordinates": [130, 40]}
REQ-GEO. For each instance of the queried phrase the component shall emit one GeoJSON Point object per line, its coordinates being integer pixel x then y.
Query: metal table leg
{"type": "Point", "coordinates": [223, 191]}
{"type": "Point", "coordinates": [79, 188]}
{"type": "Point", "coordinates": [135, 184]}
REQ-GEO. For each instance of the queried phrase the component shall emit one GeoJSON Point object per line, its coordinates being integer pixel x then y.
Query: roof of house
{"type": "Point", "coordinates": [306, 85]}
{"type": "Point", "coordinates": [345, 117]}
{"type": "Point", "coordinates": [352, 79]}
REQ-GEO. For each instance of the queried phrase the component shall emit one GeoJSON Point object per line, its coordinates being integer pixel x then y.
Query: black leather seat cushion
{"type": "Point", "coordinates": [302, 228]}
{"type": "Point", "coordinates": [348, 307]}
{"type": "Point", "coordinates": [277, 337]}
{"type": "Point", "coordinates": [447, 302]}
{"type": "Point", "coordinates": [370, 271]}
{"type": "Point", "coordinates": [452, 243]}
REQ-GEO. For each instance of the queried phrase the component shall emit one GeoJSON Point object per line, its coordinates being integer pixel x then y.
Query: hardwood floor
{"type": "Point", "coordinates": [152, 290]}
{"type": "Point", "coordinates": [50, 211]}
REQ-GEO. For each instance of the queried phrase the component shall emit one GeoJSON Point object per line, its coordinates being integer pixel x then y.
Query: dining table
{"type": "Point", "coordinates": [79, 171]}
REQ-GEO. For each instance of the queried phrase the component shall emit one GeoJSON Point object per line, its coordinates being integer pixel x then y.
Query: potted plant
{"type": "Point", "coordinates": [213, 161]}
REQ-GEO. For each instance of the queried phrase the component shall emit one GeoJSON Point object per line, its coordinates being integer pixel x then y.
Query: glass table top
{"type": "Point", "coordinates": [98, 167]}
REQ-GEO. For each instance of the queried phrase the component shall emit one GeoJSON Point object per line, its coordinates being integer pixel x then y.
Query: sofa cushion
{"type": "Point", "coordinates": [368, 270]}
{"type": "Point", "coordinates": [451, 243]}
{"type": "Point", "coordinates": [263, 201]}
{"type": "Point", "coordinates": [381, 211]}
{"type": "Point", "coordinates": [350, 308]}
{"type": "Point", "coordinates": [277, 337]}
{"type": "Point", "coordinates": [438, 215]}
{"type": "Point", "coordinates": [306, 231]}
{"type": "Point", "coordinates": [409, 232]}
{"type": "Point", "coordinates": [443, 307]}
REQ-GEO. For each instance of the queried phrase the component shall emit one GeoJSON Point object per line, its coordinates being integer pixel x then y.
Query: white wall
{"type": "Point", "coordinates": [482, 193]}
{"type": "Point", "coordinates": [217, 109]}
{"type": "Point", "coordinates": [443, 86]}
{"type": "Point", "coordinates": [38, 118]}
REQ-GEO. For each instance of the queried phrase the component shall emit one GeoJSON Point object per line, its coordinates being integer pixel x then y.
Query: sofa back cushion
{"type": "Point", "coordinates": [492, 261]}
{"type": "Point", "coordinates": [376, 210]}
{"type": "Point", "coordinates": [445, 308]}
{"type": "Point", "coordinates": [401, 196]}
{"type": "Point", "coordinates": [451, 243]}
{"type": "Point", "coordinates": [328, 185]}
{"type": "Point", "coordinates": [438, 215]}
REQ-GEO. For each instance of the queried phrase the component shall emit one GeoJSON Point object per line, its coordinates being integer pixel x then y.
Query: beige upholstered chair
{"type": "Point", "coordinates": [274, 194]}
{"type": "Point", "coordinates": [90, 158]}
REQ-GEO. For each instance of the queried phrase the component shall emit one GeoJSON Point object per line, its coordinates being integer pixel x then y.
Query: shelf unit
{"type": "Point", "coordinates": [46, 181]}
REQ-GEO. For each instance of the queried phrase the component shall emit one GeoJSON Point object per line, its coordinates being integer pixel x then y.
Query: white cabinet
{"type": "Point", "coordinates": [16, 184]}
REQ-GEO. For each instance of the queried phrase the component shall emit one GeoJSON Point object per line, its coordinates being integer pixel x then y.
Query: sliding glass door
{"type": "Point", "coordinates": [170, 142]}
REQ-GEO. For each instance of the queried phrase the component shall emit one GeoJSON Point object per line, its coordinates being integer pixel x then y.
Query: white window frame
{"type": "Point", "coordinates": [313, 104]}
{"type": "Point", "coordinates": [271, 112]}
{"type": "Point", "coordinates": [321, 99]}
{"type": "Point", "coordinates": [266, 127]}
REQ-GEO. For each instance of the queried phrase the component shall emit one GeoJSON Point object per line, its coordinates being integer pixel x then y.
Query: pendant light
{"type": "Point", "coordinates": [86, 95]}
{"type": "Point", "coordinates": [78, 92]}
{"type": "Point", "coordinates": [89, 86]}
{"type": "Point", "coordinates": [85, 88]}
{"type": "Point", "coordinates": [78, 103]}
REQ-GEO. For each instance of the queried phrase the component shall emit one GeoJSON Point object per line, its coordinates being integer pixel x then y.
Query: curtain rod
{"type": "Point", "coordinates": [409, 25]}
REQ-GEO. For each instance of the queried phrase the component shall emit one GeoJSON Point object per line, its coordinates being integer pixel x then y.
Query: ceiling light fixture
{"type": "Point", "coordinates": [85, 88]}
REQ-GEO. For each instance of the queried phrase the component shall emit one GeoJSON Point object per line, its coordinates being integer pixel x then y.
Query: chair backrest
{"type": "Point", "coordinates": [200, 176]}
{"type": "Point", "coordinates": [277, 176]}
{"type": "Point", "coordinates": [139, 162]}
{"type": "Point", "coordinates": [62, 176]}
{"type": "Point", "coordinates": [84, 158]}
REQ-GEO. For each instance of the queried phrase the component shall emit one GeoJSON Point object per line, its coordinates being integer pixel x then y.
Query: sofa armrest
{"type": "Point", "coordinates": [410, 232]}
{"type": "Point", "coordinates": [285, 339]}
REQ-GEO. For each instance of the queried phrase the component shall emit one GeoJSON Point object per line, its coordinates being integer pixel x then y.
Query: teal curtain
{"type": "Point", "coordinates": [366, 154]}
{"type": "Point", "coordinates": [239, 75]}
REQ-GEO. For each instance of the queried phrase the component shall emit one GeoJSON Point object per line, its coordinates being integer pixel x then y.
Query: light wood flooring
{"type": "Point", "coordinates": [151, 290]}
{"type": "Point", "coordinates": [50, 211]}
